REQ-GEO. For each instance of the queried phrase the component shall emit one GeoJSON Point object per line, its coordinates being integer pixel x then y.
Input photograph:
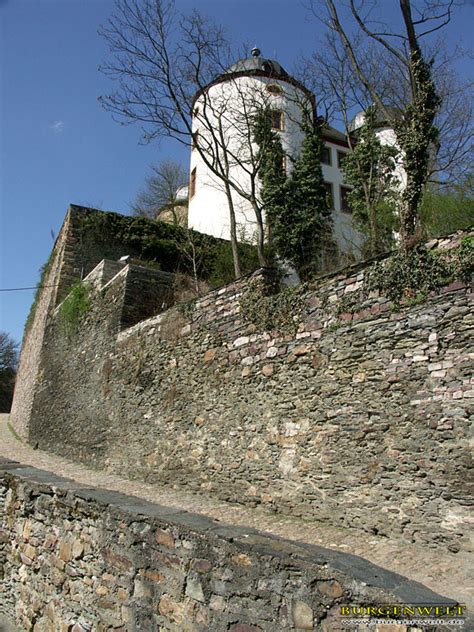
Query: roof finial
{"type": "Point", "coordinates": [256, 52]}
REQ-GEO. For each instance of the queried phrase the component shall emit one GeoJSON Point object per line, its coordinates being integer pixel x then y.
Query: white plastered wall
{"type": "Point", "coordinates": [227, 108]}
{"type": "Point", "coordinates": [347, 238]}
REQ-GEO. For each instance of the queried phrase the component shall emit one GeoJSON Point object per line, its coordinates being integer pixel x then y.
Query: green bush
{"type": "Point", "coordinates": [168, 245]}
{"type": "Point", "coordinates": [75, 306]}
{"type": "Point", "coordinates": [280, 312]}
{"type": "Point", "coordinates": [414, 274]}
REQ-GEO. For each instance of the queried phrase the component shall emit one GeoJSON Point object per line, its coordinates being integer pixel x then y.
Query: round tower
{"type": "Point", "coordinates": [222, 120]}
{"type": "Point", "coordinates": [386, 135]}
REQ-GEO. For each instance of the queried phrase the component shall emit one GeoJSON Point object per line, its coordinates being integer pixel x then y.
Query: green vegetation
{"type": "Point", "coordinates": [412, 275]}
{"type": "Point", "coordinates": [187, 309]}
{"type": "Point", "coordinates": [168, 246]}
{"type": "Point", "coordinates": [408, 277]}
{"type": "Point", "coordinates": [74, 307]}
{"type": "Point", "coordinates": [14, 432]}
{"type": "Point", "coordinates": [278, 311]}
{"type": "Point", "coordinates": [369, 168]}
{"type": "Point", "coordinates": [449, 209]}
{"type": "Point", "coordinates": [416, 135]}
{"type": "Point", "coordinates": [8, 367]}
{"type": "Point", "coordinates": [295, 205]}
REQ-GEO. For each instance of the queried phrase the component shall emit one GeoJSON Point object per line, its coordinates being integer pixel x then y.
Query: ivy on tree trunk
{"type": "Point", "coordinates": [296, 206]}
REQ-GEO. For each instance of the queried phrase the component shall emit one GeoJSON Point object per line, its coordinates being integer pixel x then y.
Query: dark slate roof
{"type": "Point", "coordinates": [257, 66]}
{"type": "Point", "coordinates": [251, 64]}
{"type": "Point", "coordinates": [332, 133]}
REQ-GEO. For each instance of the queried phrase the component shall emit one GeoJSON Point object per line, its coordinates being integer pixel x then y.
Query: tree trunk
{"type": "Point", "coordinates": [374, 233]}
{"type": "Point", "coordinates": [233, 232]}
{"type": "Point", "coordinates": [260, 236]}
{"type": "Point", "coordinates": [408, 219]}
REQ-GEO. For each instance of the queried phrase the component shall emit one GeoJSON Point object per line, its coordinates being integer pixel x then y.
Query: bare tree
{"type": "Point", "coordinates": [172, 75]}
{"type": "Point", "coordinates": [160, 61]}
{"type": "Point", "coordinates": [360, 35]}
{"type": "Point", "coordinates": [160, 192]}
{"type": "Point", "coordinates": [328, 72]}
{"type": "Point", "coordinates": [8, 365]}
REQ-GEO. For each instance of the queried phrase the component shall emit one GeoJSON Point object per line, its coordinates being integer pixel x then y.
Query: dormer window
{"type": "Point", "coordinates": [273, 88]}
{"type": "Point", "coordinates": [277, 119]}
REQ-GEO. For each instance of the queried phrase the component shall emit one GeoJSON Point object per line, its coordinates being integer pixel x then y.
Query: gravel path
{"type": "Point", "coordinates": [449, 574]}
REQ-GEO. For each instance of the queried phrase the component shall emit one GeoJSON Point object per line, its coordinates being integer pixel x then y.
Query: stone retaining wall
{"type": "Point", "coordinates": [355, 416]}
{"type": "Point", "coordinates": [358, 419]}
{"type": "Point", "coordinates": [33, 336]}
{"type": "Point", "coordinates": [75, 559]}
{"type": "Point", "coordinates": [87, 237]}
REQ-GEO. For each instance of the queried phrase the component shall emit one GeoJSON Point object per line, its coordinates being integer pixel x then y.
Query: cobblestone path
{"type": "Point", "coordinates": [449, 574]}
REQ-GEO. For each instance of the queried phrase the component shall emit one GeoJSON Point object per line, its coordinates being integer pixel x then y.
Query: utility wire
{"type": "Point", "coordinates": [19, 289]}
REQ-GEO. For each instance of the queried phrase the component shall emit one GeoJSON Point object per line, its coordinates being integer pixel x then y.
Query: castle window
{"type": "Point", "coordinates": [277, 119]}
{"type": "Point", "coordinates": [326, 156]}
{"type": "Point", "coordinates": [340, 158]}
{"type": "Point", "coordinates": [192, 183]}
{"type": "Point", "coordinates": [329, 194]}
{"type": "Point", "coordinates": [345, 205]}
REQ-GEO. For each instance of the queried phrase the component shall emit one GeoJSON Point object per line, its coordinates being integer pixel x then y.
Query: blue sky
{"type": "Point", "coordinates": [58, 146]}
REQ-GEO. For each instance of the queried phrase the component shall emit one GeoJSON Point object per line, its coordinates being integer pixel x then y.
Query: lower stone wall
{"type": "Point", "coordinates": [74, 559]}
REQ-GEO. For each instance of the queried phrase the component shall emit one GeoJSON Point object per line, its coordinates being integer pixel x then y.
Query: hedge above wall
{"type": "Point", "coordinates": [172, 248]}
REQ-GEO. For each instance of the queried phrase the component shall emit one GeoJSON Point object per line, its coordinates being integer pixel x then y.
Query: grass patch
{"type": "Point", "coordinates": [14, 432]}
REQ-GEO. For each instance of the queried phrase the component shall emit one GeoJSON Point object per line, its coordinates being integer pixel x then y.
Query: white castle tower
{"type": "Point", "coordinates": [222, 122]}
{"type": "Point", "coordinates": [386, 135]}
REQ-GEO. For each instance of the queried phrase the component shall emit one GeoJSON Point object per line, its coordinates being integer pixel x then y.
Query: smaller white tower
{"type": "Point", "coordinates": [386, 135]}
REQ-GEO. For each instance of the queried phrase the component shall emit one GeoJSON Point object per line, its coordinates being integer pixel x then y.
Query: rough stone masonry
{"type": "Point", "coordinates": [76, 559]}
{"type": "Point", "coordinates": [359, 418]}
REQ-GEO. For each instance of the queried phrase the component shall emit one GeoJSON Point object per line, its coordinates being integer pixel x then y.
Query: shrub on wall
{"type": "Point", "coordinates": [416, 273]}
{"type": "Point", "coordinates": [409, 277]}
{"type": "Point", "coordinates": [74, 307]}
{"type": "Point", "coordinates": [274, 312]}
